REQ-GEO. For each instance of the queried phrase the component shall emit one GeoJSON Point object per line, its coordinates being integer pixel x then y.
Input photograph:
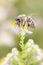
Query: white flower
{"type": "Point", "coordinates": [15, 53]}
{"type": "Point", "coordinates": [29, 32]}
{"type": "Point", "coordinates": [6, 60]}
{"type": "Point", "coordinates": [39, 53]}
{"type": "Point", "coordinates": [29, 49]}
{"type": "Point", "coordinates": [30, 42]}
{"type": "Point", "coordinates": [38, 58]}
{"type": "Point", "coordinates": [15, 57]}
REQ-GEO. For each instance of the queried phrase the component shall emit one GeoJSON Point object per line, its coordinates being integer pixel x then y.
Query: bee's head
{"type": "Point", "coordinates": [20, 19]}
{"type": "Point", "coordinates": [30, 22]}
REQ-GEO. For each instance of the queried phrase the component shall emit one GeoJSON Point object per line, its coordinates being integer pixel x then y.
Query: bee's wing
{"type": "Point", "coordinates": [38, 20]}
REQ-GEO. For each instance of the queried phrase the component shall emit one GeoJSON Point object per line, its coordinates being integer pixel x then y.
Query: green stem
{"type": "Point", "coordinates": [22, 39]}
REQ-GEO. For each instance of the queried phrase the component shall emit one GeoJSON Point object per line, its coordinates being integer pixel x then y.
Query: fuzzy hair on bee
{"type": "Point", "coordinates": [30, 22]}
{"type": "Point", "coordinates": [25, 21]}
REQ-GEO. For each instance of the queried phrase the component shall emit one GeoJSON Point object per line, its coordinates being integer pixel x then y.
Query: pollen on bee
{"type": "Point", "coordinates": [25, 27]}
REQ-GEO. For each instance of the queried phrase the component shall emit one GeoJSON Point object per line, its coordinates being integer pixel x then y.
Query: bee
{"type": "Point", "coordinates": [25, 22]}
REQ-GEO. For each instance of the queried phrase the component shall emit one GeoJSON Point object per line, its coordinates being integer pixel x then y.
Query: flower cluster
{"type": "Point", "coordinates": [30, 54]}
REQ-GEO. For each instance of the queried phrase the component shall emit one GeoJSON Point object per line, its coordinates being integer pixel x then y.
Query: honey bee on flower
{"type": "Point", "coordinates": [19, 24]}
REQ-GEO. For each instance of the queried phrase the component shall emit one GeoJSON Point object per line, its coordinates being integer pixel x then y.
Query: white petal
{"type": "Point", "coordinates": [16, 30]}
{"type": "Point", "coordinates": [29, 32]}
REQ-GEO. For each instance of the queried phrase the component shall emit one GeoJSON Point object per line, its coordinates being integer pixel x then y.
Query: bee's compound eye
{"type": "Point", "coordinates": [28, 25]}
{"type": "Point", "coordinates": [18, 21]}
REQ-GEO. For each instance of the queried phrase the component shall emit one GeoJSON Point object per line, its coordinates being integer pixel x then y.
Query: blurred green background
{"type": "Point", "coordinates": [28, 7]}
